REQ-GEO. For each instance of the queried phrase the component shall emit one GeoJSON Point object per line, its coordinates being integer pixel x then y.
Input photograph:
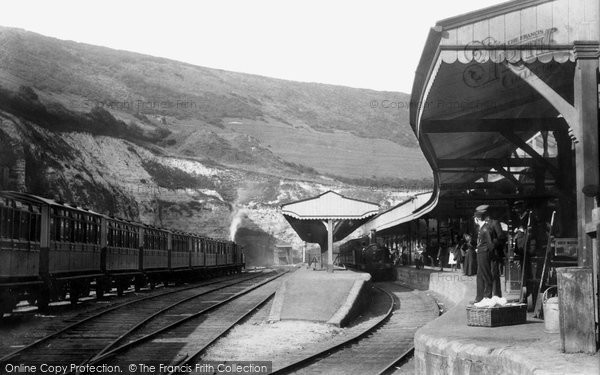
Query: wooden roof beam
{"type": "Point", "coordinates": [509, 176]}
{"type": "Point", "coordinates": [479, 171]}
{"type": "Point", "coordinates": [474, 185]}
{"type": "Point", "coordinates": [494, 125]}
{"type": "Point", "coordinates": [489, 163]}
{"type": "Point", "coordinates": [517, 141]}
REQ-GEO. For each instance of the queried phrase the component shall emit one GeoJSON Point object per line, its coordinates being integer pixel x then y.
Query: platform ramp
{"type": "Point", "coordinates": [319, 296]}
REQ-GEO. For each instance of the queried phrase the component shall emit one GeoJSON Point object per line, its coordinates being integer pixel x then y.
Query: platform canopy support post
{"type": "Point", "coordinates": [587, 171]}
{"type": "Point", "coordinates": [329, 224]}
{"type": "Point", "coordinates": [304, 253]}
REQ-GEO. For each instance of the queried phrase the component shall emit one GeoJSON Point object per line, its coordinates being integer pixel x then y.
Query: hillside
{"type": "Point", "coordinates": [192, 148]}
{"type": "Point", "coordinates": [236, 111]}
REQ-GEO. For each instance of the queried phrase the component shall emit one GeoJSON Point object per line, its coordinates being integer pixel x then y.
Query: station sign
{"type": "Point", "coordinates": [565, 247]}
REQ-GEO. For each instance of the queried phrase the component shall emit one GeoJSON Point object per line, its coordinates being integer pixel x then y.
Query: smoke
{"type": "Point", "coordinates": [236, 220]}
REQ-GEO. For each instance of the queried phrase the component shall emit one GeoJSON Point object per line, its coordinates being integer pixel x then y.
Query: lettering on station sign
{"type": "Point", "coordinates": [536, 44]}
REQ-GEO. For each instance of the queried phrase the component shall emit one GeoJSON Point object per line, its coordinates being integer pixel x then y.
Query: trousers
{"type": "Point", "coordinates": [484, 276]}
{"type": "Point", "coordinates": [496, 264]}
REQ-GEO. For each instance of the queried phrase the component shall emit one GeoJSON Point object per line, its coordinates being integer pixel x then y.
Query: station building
{"type": "Point", "coordinates": [505, 108]}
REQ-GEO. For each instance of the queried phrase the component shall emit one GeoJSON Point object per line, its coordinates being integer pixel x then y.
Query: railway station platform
{"type": "Point", "coordinates": [320, 296]}
{"type": "Point", "coordinates": [448, 346]}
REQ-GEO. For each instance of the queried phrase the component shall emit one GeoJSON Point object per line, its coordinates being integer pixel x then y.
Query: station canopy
{"type": "Point", "coordinates": [490, 80]}
{"type": "Point", "coordinates": [309, 217]}
{"type": "Point", "coordinates": [408, 210]}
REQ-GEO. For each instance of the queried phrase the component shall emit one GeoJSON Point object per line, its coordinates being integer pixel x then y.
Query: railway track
{"type": "Point", "coordinates": [184, 343]}
{"type": "Point", "coordinates": [120, 327]}
{"type": "Point", "coordinates": [378, 348]}
{"type": "Point", "coordinates": [69, 316]}
{"type": "Point", "coordinates": [27, 310]}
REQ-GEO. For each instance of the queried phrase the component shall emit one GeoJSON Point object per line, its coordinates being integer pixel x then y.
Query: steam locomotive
{"type": "Point", "coordinates": [49, 249]}
{"type": "Point", "coordinates": [368, 256]}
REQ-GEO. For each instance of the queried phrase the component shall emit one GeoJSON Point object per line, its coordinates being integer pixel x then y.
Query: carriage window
{"type": "Point", "coordinates": [91, 238]}
{"type": "Point", "coordinates": [72, 229]}
{"type": "Point", "coordinates": [76, 229]}
{"type": "Point", "coordinates": [64, 230]}
{"type": "Point", "coordinates": [120, 239]}
{"type": "Point", "coordinates": [117, 233]}
{"type": "Point", "coordinates": [53, 228]}
{"type": "Point", "coordinates": [85, 227]}
{"type": "Point", "coordinates": [33, 224]}
{"type": "Point", "coordinates": [15, 224]}
{"type": "Point", "coordinates": [92, 227]}
{"type": "Point", "coordinates": [4, 222]}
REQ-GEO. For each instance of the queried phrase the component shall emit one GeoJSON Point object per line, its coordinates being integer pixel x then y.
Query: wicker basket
{"type": "Point", "coordinates": [496, 316]}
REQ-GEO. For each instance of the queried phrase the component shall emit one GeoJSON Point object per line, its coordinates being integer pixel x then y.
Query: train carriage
{"type": "Point", "coordinates": [198, 251]}
{"type": "Point", "coordinates": [55, 244]}
{"type": "Point", "coordinates": [20, 233]}
{"type": "Point", "coordinates": [49, 249]}
{"type": "Point", "coordinates": [229, 253]}
{"type": "Point", "coordinates": [155, 254]}
{"type": "Point", "coordinates": [180, 252]}
{"type": "Point", "coordinates": [219, 253]}
{"type": "Point", "coordinates": [74, 240]}
{"type": "Point", "coordinates": [211, 255]}
{"type": "Point", "coordinates": [122, 246]}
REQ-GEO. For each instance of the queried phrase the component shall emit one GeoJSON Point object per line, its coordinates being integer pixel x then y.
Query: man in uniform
{"type": "Point", "coordinates": [484, 245]}
{"type": "Point", "coordinates": [498, 238]}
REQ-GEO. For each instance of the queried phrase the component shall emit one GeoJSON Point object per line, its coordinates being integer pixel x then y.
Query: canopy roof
{"type": "Point", "coordinates": [329, 205]}
{"type": "Point", "coordinates": [408, 210]}
{"type": "Point", "coordinates": [307, 216]}
{"type": "Point", "coordinates": [489, 80]}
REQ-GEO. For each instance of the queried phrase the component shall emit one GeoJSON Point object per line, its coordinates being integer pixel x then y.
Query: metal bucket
{"type": "Point", "coordinates": [551, 317]}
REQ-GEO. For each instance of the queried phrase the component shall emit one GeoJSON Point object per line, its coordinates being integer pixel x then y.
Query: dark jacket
{"type": "Point", "coordinates": [491, 238]}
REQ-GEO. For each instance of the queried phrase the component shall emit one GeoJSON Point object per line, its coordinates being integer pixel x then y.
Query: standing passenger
{"type": "Point", "coordinates": [484, 247]}
{"type": "Point", "coordinates": [470, 261]}
{"type": "Point", "coordinates": [498, 239]}
{"type": "Point", "coordinates": [441, 256]}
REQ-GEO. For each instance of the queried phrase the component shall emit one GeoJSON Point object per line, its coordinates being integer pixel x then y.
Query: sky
{"type": "Point", "coordinates": [373, 44]}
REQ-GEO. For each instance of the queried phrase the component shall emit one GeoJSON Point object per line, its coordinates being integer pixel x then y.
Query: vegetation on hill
{"type": "Point", "coordinates": [174, 178]}
{"type": "Point", "coordinates": [26, 105]}
{"type": "Point", "coordinates": [138, 83]}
